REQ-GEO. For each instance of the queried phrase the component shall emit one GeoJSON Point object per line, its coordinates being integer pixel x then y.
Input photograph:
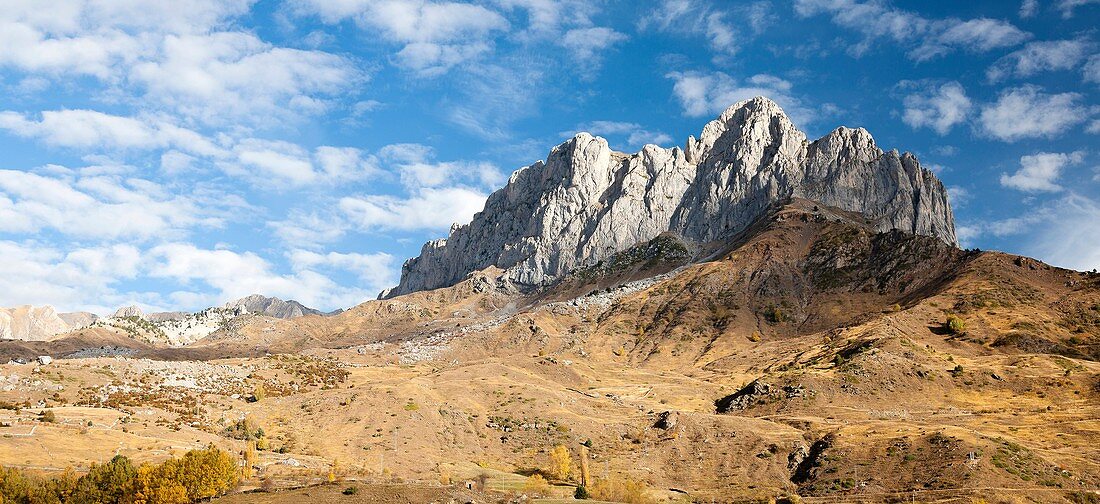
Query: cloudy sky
{"type": "Point", "coordinates": [178, 156]}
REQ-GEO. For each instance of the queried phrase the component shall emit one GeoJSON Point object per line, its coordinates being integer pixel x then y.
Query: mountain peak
{"type": "Point", "coordinates": [586, 202]}
{"type": "Point", "coordinates": [272, 307]}
{"type": "Point", "coordinates": [129, 311]}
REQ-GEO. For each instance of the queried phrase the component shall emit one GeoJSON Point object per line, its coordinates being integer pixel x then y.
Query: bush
{"type": "Point", "coordinates": [48, 416]}
{"type": "Point", "coordinates": [620, 489]}
{"type": "Point", "coordinates": [351, 490]}
{"type": "Point", "coordinates": [536, 485]}
{"type": "Point", "coordinates": [580, 493]}
{"type": "Point", "coordinates": [954, 325]}
{"type": "Point", "coordinates": [774, 315]}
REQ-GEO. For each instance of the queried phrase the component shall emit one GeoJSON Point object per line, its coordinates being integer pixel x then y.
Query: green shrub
{"type": "Point", "coordinates": [954, 325]}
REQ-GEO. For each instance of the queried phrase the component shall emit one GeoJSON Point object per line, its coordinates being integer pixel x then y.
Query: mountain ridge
{"type": "Point", "coordinates": [586, 202]}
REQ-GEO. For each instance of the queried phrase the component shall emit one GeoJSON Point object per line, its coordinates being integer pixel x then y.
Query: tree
{"type": "Point", "coordinates": [561, 463]}
{"type": "Point", "coordinates": [204, 473]}
{"type": "Point", "coordinates": [154, 485]}
{"type": "Point", "coordinates": [105, 482]}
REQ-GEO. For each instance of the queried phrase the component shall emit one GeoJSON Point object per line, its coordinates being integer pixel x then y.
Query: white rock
{"type": "Point", "coordinates": [586, 202]}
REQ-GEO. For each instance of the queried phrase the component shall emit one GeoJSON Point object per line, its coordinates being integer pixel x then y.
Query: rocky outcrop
{"type": "Point", "coordinates": [129, 311]}
{"type": "Point", "coordinates": [272, 307]}
{"type": "Point", "coordinates": [587, 202]}
{"type": "Point", "coordinates": [30, 323]}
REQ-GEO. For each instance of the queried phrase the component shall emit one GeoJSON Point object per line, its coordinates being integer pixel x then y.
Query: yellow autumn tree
{"type": "Point", "coordinates": [204, 473]}
{"type": "Point", "coordinates": [561, 463]}
{"type": "Point", "coordinates": [153, 485]}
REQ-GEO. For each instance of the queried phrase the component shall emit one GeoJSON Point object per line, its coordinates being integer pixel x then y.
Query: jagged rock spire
{"type": "Point", "coordinates": [586, 202]}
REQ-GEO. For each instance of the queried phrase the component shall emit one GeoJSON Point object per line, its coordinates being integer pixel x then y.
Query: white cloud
{"type": "Point", "coordinates": [928, 38]}
{"type": "Point", "coordinates": [1028, 8]}
{"type": "Point", "coordinates": [430, 208]}
{"type": "Point", "coordinates": [1069, 6]}
{"type": "Point", "coordinates": [378, 270]}
{"type": "Point", "coordinates": [37, 273]}
{"type": "Point", "coordinates": [232, 75]}
{"type": "Point", "coordinates": [697, 18]}
{"type": "Point", "coordinates": [708, 94]}
{"type": "Point", "coordinates": [309, 229]}
{"type": "Point", "coordinates": [1064, 232]}
{"type": "Point", "coordinates": [938, 107]}
{"type": "Point", "coordinates": [166, 54]}
{"type": "Point", "coordinates": [1039, 172]}
{"type": "Point", "coordinates": [549, 18]}
{"type": "Point", "coordinates": [1027, 112]}
{"type": "Point", "coordinates": [1040, 56]}
{"type": "Point", "coordinates": [1092, 69]}
{"type": "Point", "coordinates": [234, 275]}
{"type": "Point", "coordinates": [435, 35]}
{"type": "Point", "coordinates": [344, 163]}
{"type": "Point", "coordinates": [89, 129]}
{"type": "Point", "coordinates": [101, 207]}
{"type": "Point", "coordinates": [588, 44]}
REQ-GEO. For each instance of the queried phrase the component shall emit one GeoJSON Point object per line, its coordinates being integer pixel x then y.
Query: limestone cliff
{"type": "Point", "coordinates": [585, 201]}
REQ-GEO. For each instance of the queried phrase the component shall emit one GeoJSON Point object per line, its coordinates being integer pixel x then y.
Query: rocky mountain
{"type": "Point", "coordinates": [586, 202]}
{"type": "Point", "coordinates": [129, 311]}
{"type": "Point", "coordinates": [78, 319]}
{"type": "Point", "coordinates": [272, 307]}
{"type": "Point", "coordinates": [32, 323]}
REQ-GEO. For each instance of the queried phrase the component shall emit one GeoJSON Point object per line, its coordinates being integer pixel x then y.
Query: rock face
{"type": "Point", "coordinates": [586, 202]}
{"type": "Point", "coordinates": [129, 311]}
{"type": "Point", "coordinates": [30, 323]}
{"type": "Point", "coordinates": [78, 319]}
{"type": "Point", "coordinates": [272, 307]}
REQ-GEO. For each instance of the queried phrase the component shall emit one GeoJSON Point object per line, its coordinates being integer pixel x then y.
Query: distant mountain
{"type": "Point", "coordinates": [78, 319]}
{"type": "Point", "coordinates": [129, 311]}
{"type": "Point", "coordinates": [31, 323]}
{"type": "Point", "coordinates": [273, 307]}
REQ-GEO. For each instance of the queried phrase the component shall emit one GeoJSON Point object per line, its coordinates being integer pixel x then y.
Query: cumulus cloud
{"type": "Point", "coordinates": [1028, 112]}
{"type": "Point", "coordinates": [101, 207]}
{"type": "Point", "coordinates": [235, 76]}
{"type": "Point", "coordinates": [377, 271]}
{"type": "Point", "coordinates": [939, 107]}
{"type": "Point", "coordinates": [927, 38]}
{"type": "Point", "coordinates": [428, 209]}
{"type": "Point", "coordinates": [1040, 172]}
{"type": "Point", "coordinates": [90, 129]}
{"type": "Point", "coordinates": [173, 56]}
{"type": "Point", "coordinates": [708, 94]}
{"type": "Point", "coordinates": [436, 35]}
{"type": "Point", "coordinates": [83, 278]}
{"type": "Point", "coordinates": [1040, 56]}
{"type": "Point", "coordinates": [237, 274]}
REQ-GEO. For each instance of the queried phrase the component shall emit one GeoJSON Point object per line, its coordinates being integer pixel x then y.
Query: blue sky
{"type": "Point", "coordinates": [178, 156]}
